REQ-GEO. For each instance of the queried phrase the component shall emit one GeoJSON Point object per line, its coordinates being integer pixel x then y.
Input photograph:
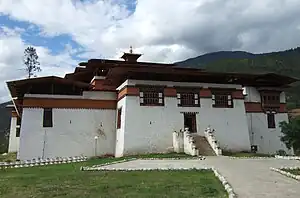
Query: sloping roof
{"type": "Point", "coordinates": [14, 85]}
{"type": "Point", "coordinates": [119, 74]}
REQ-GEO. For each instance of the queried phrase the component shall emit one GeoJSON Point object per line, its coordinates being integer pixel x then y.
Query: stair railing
{"type": "Point", "coordinates": [210, 136]}
{"type": "Point", "coordinates": [188, 142]}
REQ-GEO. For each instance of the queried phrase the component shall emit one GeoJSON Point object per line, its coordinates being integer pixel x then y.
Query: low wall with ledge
{"type": "Point", "coordinates": [189, 146]}
{"type": "Point", "coordinates": [178, 144]}
{"type": "Point", "coordinates": [41, 162]}
{"type": "Point", "coordinates": [209, 134]}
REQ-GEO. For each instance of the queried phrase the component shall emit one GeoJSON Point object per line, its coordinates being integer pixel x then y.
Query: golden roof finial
{"type": "Point", "coordinates": [131, 51]}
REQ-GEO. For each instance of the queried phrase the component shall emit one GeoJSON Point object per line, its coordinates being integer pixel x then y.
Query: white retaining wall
{"type": "Point", "coordinates": [178, 143]}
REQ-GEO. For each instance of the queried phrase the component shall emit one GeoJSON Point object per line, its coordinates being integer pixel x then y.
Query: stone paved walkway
{"type": "Point", "coordinates": [250, 178]}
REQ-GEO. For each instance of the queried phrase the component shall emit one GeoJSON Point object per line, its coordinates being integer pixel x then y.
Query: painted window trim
{"type": "Point", "coordinates": [222, 93]}
{"type": "Point", "coordinates": [151, 90]}
{"type": "Point", "coordinates": [196, 99]}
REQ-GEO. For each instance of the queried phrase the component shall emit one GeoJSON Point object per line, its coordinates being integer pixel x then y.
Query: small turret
{"type": "Point", "coordinates": [131, 57]}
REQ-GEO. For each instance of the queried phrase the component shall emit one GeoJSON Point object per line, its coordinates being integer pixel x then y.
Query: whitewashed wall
{"type": "Point", "coordinates": [72, 133]}
{"type": "Point", "coordinates": [149, 129]}
{"type": "Point", "coordinates": [120, 132]}
{"type": "Point", "coordinates": [253, 95]}
{"type": "Point", "coordinates": [13, 145]}
{"type": "Point", "coordinates": [267, 140]}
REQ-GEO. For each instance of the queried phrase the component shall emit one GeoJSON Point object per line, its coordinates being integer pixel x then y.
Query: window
{"type": "Point", "coordinates": [271, 98]}
{"type": "Point", "coordinates": [119, 118]}
{"type": "Point", "coordinates": [151, 96]}
{"type": "Point", "coordinates": [271, 120]}
{"type": "Point", "coordinates": [188, 99]}
{"type": "Point", "coordinates": [222, 100]}
{"type": "Point", "coordinates": [18, 127]}
{"type": "Point", "coordinates": [47, 118]}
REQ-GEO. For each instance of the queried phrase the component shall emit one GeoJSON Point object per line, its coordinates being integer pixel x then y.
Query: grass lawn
{"type": "Point", "coordinates": [162, 155]}
{"type": "Point", "coordinates": [245, 154]}
{"type": "Point", "coordinates": [67, 180]}
{"type": "Point", "coordinates": [295, 171]}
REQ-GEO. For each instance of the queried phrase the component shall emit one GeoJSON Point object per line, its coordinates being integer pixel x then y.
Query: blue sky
{"type": "Point", "coordinates": [56, 44]}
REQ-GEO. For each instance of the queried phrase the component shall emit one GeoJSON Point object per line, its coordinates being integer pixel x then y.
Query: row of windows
{"type": "Point", "coordinates": [155, 97]}
{"type": "Point", "coordinates": [48, 117]}
{"type": "Point", "coordinates": [270, 98]}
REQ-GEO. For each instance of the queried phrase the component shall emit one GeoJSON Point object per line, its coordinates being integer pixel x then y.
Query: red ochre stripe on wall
{"type": "Point", "coordinates": [128, 91]}
{"type": "Point", "coordinates": [171, 92]}
{"type": "Point", "coordinates": [255, 107]}
{"type": "Point", "coordinates": [69, 103]}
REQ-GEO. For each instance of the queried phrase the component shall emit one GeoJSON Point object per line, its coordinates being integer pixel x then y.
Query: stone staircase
{"type": "Point", "coordinates": [203, 145]}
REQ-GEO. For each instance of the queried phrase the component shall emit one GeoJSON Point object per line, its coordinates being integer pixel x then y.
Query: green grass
{"type": "Point", "coordinates": [244, 154]}
{"type": "Point", "coordinates": [294, 171]}
{"type": "Point", "coordinates": [162, 155]}
{"type": "Point", "coordinates": [68, 181]}
{"type": "Point", "coordinates": [151, 155]}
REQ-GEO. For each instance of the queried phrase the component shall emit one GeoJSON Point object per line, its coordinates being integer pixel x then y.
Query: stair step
{"type": "Point", "coordinates": [203, 146]}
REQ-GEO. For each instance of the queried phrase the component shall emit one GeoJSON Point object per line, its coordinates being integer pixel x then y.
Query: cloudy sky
{"type": "Point", "coordinates": [66, 32]}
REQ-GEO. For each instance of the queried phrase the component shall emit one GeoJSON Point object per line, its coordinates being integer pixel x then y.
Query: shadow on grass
{"type": "Point", "coordinates": [245, 154]}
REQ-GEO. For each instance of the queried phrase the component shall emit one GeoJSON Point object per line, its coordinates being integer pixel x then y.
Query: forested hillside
{"type": "Point", "coordinates": [4, 126]}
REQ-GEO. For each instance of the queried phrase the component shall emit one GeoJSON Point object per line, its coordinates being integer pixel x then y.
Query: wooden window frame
{"type": "Point", "coordinates": [271, 120]}
{"type": "Point", "coordinates": [47, 117]}
{"type": "Point", "coordinates": [188, 98]}
{"type": "Point", "coordinates": [270, 99]}
{"type": "Point", "coordinates": [151, 96]}
{"type": "Point", "coordinates": [224, 96]}
{"type": "Point", "coordinates": [18, 127]}
{"type": "Point", "coordinates": [119, 116]}
{"type": "Point", "coordinates": [18, 131]}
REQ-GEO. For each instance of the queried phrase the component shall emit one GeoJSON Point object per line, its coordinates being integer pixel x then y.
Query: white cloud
{"type": "Point", "coordinates": [164, 31]}
{"type": "Point", "coordinates": [105, 27]}
{"type": "Point", "coordinates": [11, 56]}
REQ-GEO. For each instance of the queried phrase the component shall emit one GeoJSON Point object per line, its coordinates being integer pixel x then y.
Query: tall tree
{"type": "Point", "coordinates": [291, 133]}
{"type": "Point", "coordinates": [31, 61]}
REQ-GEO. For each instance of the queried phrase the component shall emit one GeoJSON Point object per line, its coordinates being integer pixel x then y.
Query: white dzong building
{"type": "Point", "coordinates": [110, 107]}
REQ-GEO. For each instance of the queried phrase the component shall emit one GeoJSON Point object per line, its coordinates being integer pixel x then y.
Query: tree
{"type": "Point", "coordinates": [31, 61]}
{"type": "Point", "coordinates": [291, 133]}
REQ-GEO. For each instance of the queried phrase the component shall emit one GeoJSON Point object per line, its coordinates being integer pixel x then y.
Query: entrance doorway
{"type": "Point", "coordinates": [190, 122]}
